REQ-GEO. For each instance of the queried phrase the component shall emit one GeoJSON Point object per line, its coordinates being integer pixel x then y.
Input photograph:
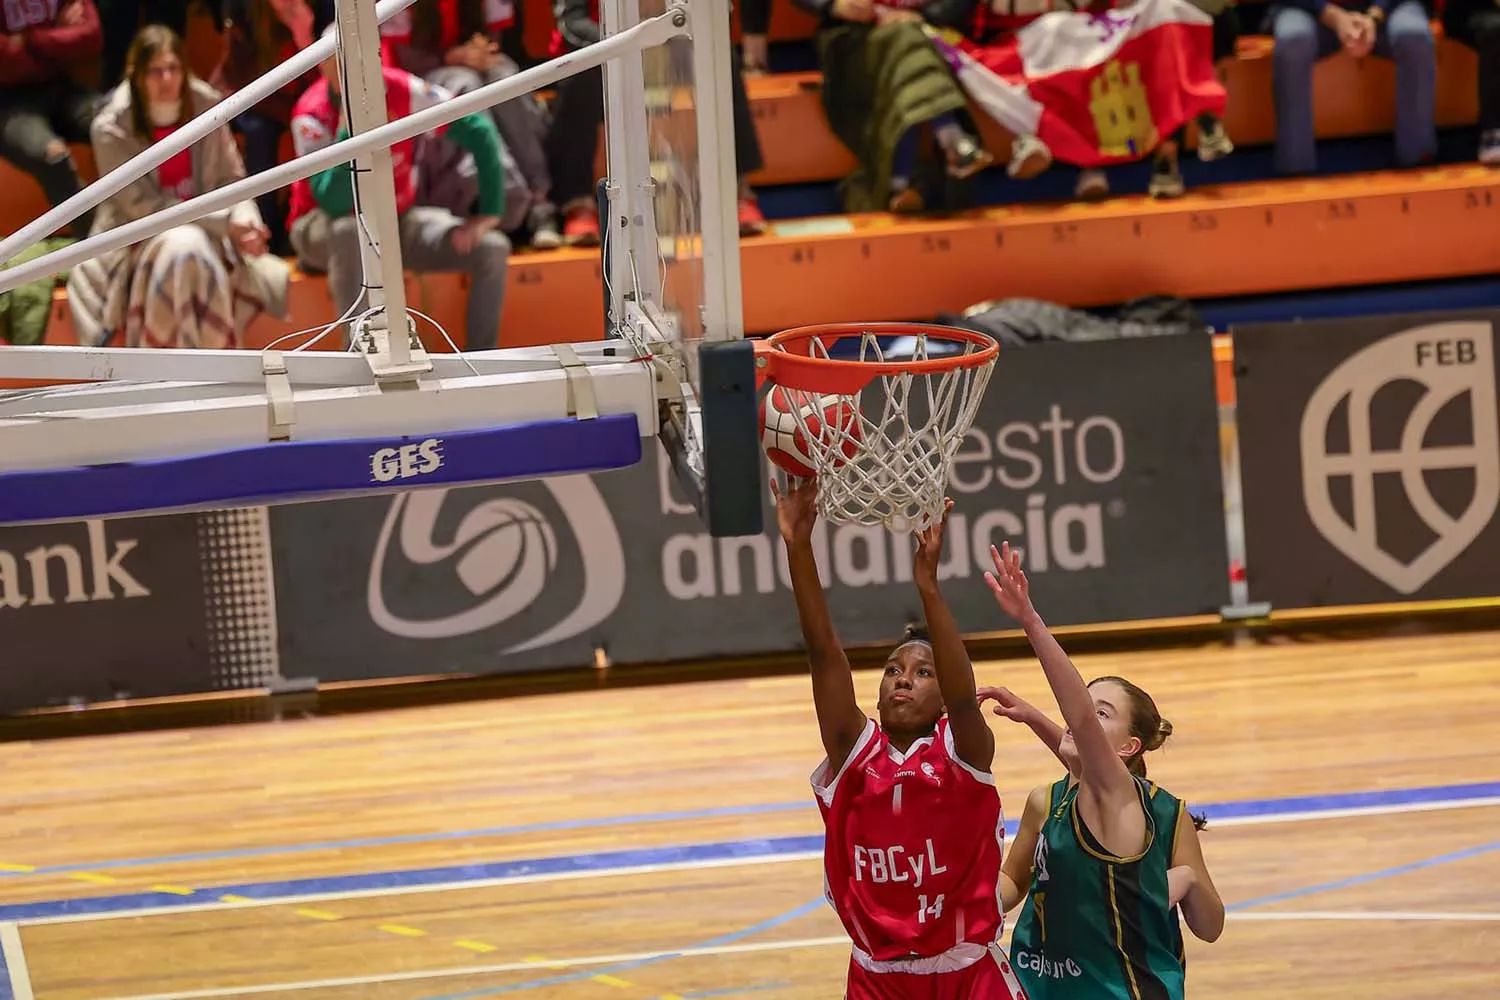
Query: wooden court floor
{"type": "Point", "coordinates": [628, 844]}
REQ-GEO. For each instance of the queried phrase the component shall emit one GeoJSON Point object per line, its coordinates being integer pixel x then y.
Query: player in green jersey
{"type": "Point", "coordinates": [1104, 858]}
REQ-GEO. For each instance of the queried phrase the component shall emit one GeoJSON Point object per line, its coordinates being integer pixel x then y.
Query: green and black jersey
{"type": "Point", "coordinates": [1095, 926]}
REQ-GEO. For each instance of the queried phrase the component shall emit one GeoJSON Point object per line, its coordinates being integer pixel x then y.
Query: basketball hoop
{"type": "Point", "coordinates": [889, 465]}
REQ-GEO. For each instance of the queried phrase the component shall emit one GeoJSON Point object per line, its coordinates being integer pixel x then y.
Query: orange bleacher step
{"type": "Point", "coordinates": [1240, 239]}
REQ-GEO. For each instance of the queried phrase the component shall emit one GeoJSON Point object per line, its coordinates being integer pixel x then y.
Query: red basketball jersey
{"type": "Point", "coordinates": [912, 852]}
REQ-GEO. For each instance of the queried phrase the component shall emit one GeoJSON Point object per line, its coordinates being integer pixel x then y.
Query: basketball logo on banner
{"type": "Point", "coordinates": [503, 553]}
{"type": "Point", "coordinates": [1449, 362]}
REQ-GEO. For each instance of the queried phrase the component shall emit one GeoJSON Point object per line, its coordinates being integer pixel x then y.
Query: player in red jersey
{"type": "Point", "coordinates": [914, 829]}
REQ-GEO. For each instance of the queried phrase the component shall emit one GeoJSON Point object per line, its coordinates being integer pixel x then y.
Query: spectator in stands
{"type": "Point", "coordinates": [578, 112]}
{"type": "Point", "coordinates": [123, 18]}
{"type": "Point", "coordinates": [456, 45]}
{"type": "Point", "coordinates": [1476, 23]}
{"type": "Point", "coordinates": [884, 84]}
{"type": "Point", "coordinates": [259, 36]}
{"type": "Point", "coordinates": [326, 233]}
{"type": "Point", "coordinates": [1306, 31]}
{"type": "Point", "coordinates": [43, 107]}
{"type": "Point", "coordinates": [196, 285]}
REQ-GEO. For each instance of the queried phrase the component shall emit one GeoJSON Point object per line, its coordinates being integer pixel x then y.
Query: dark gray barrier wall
{"type": "Point", "coordinates": [143, 607]}
{"type": "Point", "coordinates": [1370, 457]}
{"type": "Point", "coordinates": [1101, 460]}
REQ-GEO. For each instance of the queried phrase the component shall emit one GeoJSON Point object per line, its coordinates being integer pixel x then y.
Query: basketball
{"type": "Point", "coordinates": [784, 413]}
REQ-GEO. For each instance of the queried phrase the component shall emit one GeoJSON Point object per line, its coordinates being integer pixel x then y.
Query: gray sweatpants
{"type": "Point", "coordinates": [332, 246]}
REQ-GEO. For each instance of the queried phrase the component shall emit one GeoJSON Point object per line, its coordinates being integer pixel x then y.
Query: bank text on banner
{"type": "Point", "coordinates": [1100, 460]}
{"type": "Point", "coordinates": [135, 607]}
{"type": "Point", "coordinates": [1370, 456]}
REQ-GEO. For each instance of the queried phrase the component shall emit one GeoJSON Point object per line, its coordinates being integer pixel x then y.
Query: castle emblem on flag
{"type": "Point", "coordinates": [1122, 111]}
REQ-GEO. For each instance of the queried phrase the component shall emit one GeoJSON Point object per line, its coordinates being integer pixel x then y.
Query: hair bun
{"type": "Point", "coordinates": [1163, 731]}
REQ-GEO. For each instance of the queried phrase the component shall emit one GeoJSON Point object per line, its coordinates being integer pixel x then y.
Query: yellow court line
{"type": "Point", "coordinates": [93, 879]}
{"type": "Point", "coordinates": [475, 946]}
{"type": "Point", "coordinates": [175, 890]}
{"type": "Point", "coordinates": [402, 930]}
{"type": "Point", "coordinates": [19, 869]}
{"type": "Point", "coordinates": [313, 914]}
{"type": "Point", "coordinates": [603, 978]}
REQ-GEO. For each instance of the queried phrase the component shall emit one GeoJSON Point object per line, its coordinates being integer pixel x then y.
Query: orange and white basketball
{"type": "Point", "coordinates": [783, 414]}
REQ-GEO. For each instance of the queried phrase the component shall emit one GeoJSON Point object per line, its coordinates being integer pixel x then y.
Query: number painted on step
{"type": "Point", "coordinates": [864, 249]}
{"type": "Point", "coordinates": [1065, 232]}
{"type": "Point", "coordinates": [1202, 222]}
{"type": "Point", "coordinates": [803, 255]}
{"type": "Point", "coordinates": [936, 244]}
{"type": "Point", "coordinates": [1342, 210]}
{"type": "Point", "coordinates": [999, 239]}
{"type": "Point", "coordinates": [529, 276]}
{"type": "Point", "coordinates": [1478, 199]}
{"type": "Point", "coordinates": [1135, 228]}
{"type": "Point", "coordinates": [933, 911]}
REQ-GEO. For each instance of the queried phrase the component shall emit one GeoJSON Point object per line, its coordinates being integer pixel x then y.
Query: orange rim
{"type": "Point", "coordinates": [785, 358]}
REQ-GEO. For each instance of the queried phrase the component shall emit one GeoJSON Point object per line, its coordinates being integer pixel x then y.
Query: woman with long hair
{"type": "Point", "coordinates": [195, 285]}
{"type": "Point", "coordinates": [1104, 858]}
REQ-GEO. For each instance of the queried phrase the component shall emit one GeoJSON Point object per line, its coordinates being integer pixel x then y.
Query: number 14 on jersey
{"type": "Point", "coordinates": [924, 910]}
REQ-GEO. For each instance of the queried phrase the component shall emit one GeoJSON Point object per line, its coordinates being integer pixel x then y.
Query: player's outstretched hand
{"type": "Point", "coordinates": [796, 509]}
{"type": "Point", "coordinates": [930, 549]}
{"type": "Point", "coordinates": [1007, 704]}
{"type": "Point", "coordinates": [1008, 583]}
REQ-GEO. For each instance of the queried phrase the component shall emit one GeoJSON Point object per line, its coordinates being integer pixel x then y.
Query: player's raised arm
{"type": "Point", "coordinates": [839, 718]}
{"type": "Point", "coordinates": [1104, 773]}
{"type": "Point", "coordinates": [972, 739]}
{"type": "Point", "coordinates": [1009, 705]}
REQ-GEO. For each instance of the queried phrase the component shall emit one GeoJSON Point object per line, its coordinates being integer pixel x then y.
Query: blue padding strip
{"type": "Point", "coordinates": [312, 470]}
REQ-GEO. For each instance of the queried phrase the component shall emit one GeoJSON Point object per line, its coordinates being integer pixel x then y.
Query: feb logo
{"type": "Point", "coordinates": [406, 462]}
{"type": "Point", "coordinates": [1346, 450]}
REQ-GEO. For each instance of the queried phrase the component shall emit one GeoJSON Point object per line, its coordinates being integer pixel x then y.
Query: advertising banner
{"type": "Point", "coordinates": [1370, 456]}
{"type": "Point", "coordinates": [135, 607]}
{"type": "Point", "coordinates": [1100, 460]}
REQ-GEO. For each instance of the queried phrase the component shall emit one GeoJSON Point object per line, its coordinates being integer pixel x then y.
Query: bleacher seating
{"type": "Point", "coordinates": [1229, 239]}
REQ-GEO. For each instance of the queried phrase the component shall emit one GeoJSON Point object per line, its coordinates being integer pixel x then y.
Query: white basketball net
{"type": "Point", "coordinates": [909, 428]}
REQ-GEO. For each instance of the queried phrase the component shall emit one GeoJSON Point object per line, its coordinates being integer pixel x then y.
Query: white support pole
{"type": "Point", "coordinates": [632, 231]}
{"type": "Point", "coordinates": [362, 91]}
{"type": "Point", "coordinates": [723, 311]}
{"type": "Point", "coordinates": [147, 365]}
{"type": "Point", "coordinates": [158, 153]}
{"type": "Point", "coordinates": [654, 31]}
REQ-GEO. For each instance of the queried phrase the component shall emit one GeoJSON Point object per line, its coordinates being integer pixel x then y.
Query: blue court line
{"type": "Point", "coordinates": [552, 826]}
{"type": "Point", "coordinates": [783, 918]}
{"type": "Point", "coordinates": [734, 991]}
{"type": "Point", "coordinates": [1367, 877]}
{"type": "Point", "coordinates": [1223, 810]}
{"type": "Point", "coordinates": [746, 849]}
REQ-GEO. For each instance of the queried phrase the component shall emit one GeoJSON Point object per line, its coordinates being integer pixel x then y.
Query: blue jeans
{"type": "Point", "coordinates": [1301, 41]}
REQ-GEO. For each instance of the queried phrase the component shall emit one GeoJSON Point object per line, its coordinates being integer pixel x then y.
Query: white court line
{"type": "Point", "coordinates": [15, 962]}
{"type": "Point", "coordinates": [480, 970]}
{"type": "Point", "coordinates": [795, 944]}
{"type": "Point", "coordinates": [1413, 915]}
{"type": "Point", "coordinates": [209, 900]}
